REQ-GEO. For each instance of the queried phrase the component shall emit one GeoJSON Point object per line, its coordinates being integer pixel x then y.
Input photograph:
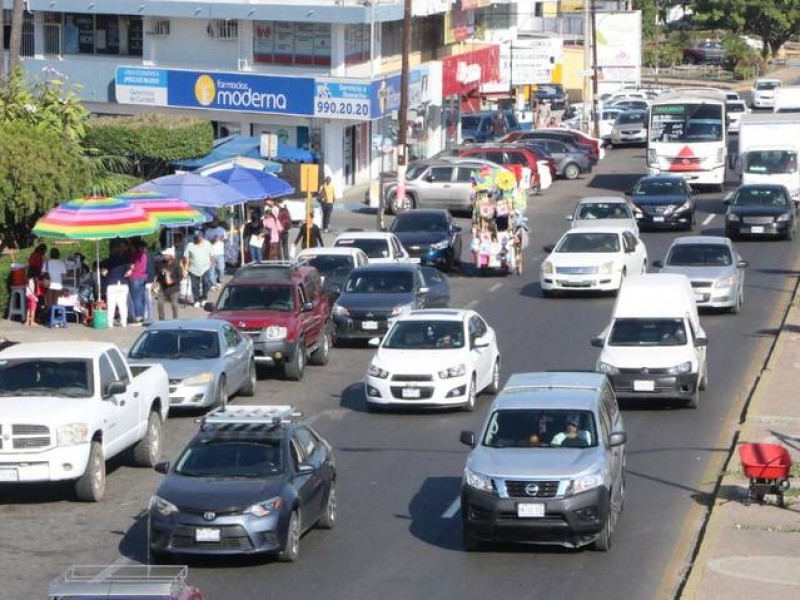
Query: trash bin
{"type": "Point", "coordinates": [100, 319]}
{"type": "Point", "coordinates": [18, 275]}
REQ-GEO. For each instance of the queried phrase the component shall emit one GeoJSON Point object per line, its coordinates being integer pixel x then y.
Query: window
{"type": "Point", "coordinates": [292, 43]}
{"type": "Point", "coordinates": [356, 44]}
{"type": "Point", "coordinates": [107, 374]}
{"type": "Point", "coordinates": [306, 441]}
{"type": "Point", "coordinates": [232, 337]}
{"type": "Point", "coordinates": [119, 366]}
{"type": "Point", "coordinates": [464, 174]}
{"type": "Point", "coordinates": [223, 29]}
{"type": "Point", "coordinates": [440, 174]}
{"type": "Point", "coordinates": [301, 296]}
{"type": "Point", "coordinates": [297, 453]}
{"type": "Point", "coordinates": [116, 35]}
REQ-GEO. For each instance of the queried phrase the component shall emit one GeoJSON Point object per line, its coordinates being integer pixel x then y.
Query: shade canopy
{"type": "Point", "coordinates": [194, 190]}
{"type": "Point", "coordinates": [95, 218]}
{"type": "Point", "coordinates": [248, 146]}
{"type": "Point", "coordinates": [254, 184]}
{"type": "Point", "coordinates": [168, 212]}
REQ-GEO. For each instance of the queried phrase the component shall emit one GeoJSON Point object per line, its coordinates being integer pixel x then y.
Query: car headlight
{"type": "Point", "coordinates": [456, 371]}
{"type": "Point", "coordinates": [725, 282]}
{"type": "Point", "coordinates": [264, 509]}
{"type": "Point", "coordinates": [685, 206]}
{"type": "Point", "coordinates": [583, 484]}
{"type": "Point", "coordinates": [374, 370]}
{"type": "Point", "coordinates": [477, 481]}
{"type": "Point", "coordinates": [637, 210]}
{"type": "Point", "coordinates": [685, 367]}
{"type": "Point", "coordinates": [440, 245]}
{"type": "Point", "coordinates": [340, 311]}
{"type": "Point", "coordinates": [615, 131]}
{"type": "Point", "coordinates": [274, 332]}
{"type": "Point", "coordinates": [162, 507]}
{"type": "Point", "coordinates": [202, 379]}
{"type": "Point", "coordinates": [547, 267]}
{"type": "Point", "coordinates": [732, 217]}
{"type": "Point", "coordinates": [402, 309]}
{"type": "Point", "coordinates": [72, 434]}
{"type": "Point", "coordinates": [607, 268]}
{"type": "Point", "coordinates": [604, 367]}
{"type": "Point", "coordinates": [783, 218]}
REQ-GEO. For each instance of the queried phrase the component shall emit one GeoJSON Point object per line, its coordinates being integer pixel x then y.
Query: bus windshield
{"type": "Point", "coordinates": [685, 122]}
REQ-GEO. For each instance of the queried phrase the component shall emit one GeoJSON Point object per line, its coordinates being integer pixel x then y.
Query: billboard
{"type": "Point", "coordinates": [619, 45]}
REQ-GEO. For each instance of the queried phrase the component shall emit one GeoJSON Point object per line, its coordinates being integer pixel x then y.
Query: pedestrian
{"type": "Point", "coordinates": [316, 235]}
{"type": "Point", "coordinates": [55, 267]}
{"type": "Point", "coordinates": [217, 261]}
{"type": "Point", "coordinates": [116, 283]}
{"type": "Point", "coordinates": [31, 299]}
{"type": "Point", "coordinates": [254, 237]}
{"type": "Point", "coordinates": [215, 229]}
{"type": "Point", "coordinates": [285, 217]}
{"type": "Point", "coordinates": [499, 128]}
{"type": "Point", "coordinates": [137, 280]}
{"type": "Point", "coordinates": [272, 233]}
{"type": "Point", "coordinates": [36, 259]}
{"type": "Point", "coordinates": [326, 197]}
{"type": "Point", "coordinates": [198, 260]}
{"type": "Point", "coordinates": [168, 279]}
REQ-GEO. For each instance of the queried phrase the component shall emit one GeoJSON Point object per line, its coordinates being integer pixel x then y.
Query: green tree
{"type": "Point", "coordinates": [38, 169]}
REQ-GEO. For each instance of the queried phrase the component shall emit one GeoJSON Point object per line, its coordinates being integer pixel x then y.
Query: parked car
{"type": "Point", "coordinates": [381, 247]}
{"type": "Point", "coordinates": [565, 135]}
{"type": "Point", "coordinates": [430, 236]}
{"type": "Point", "coordinates": [735, 109]}
{"type": "Point", "coordinates": [553, 93]}
{"type": "Point", "coordinates": [281, 307]}
{"type": "Point", "coordinates": [760, 209]}
{"type": "Point", "coordinates": [333, 265]}
{"type": "Point", "coordinates": [253, 480]}
{"type": "Point", "coordinates": [763, 92]}
{"type": "Point", "coordinates": [480, 126]}
{"type": "Point", "coordinates": [434, 358]}
{"type": "Point", "coordinates": [570, 161]}
{"type": "Point", "coordinates": [603, 211]}
{"type": "Point", "coordinates": [705, 53]}
{"type": "Point", "coordinates": [714, 268]}
{"type": "Point", "coordinates": [207, 360]}
{"type": "Point", "coordinates": [375, 294]}
{"type": "Point", "coordinates": [663, 201]}
{"type": "Point", "coordinates": [731, 96]}
{"type": "Point", "coordinates": [548, 464]}
{"type": "Point", "coordinates": [592, 259]}
{"type": "Point", "coordinates": [629, 104]}
{"type": "Point", "coordinates": [630, 128]}
{"type": "Point", "coordinates": [541, 155]}
{"type": "Point", "coordinates": [512, 157]}
{"type": "Point", "coordinates": [68, 407]}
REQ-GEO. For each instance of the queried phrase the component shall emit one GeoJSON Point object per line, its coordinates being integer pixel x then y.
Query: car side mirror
{"type": "Point", "coordinates": [467, 438]}
{"type": "Point", "coordinates": [424, 290]}
{"type": "Point", "coordinates": [305, 468]}
{"type": "Point", "coordinates": [161, 467]}
{"type": "Point", "coordinates": [374, 342]}
{"type": "Point", "coordinates": [208, 307]}
{"type": "Point", "coordinates": [597, 342]}
{"type": "Point", "coordinates": [658, 264]}
{"type": "Point", "coordinates": [743, 264]}
{"type": "Point", "coordinates": [617, 438]}
{"type": "Point", "coordinates": [481, 342]}
{"type": "Point", "coordinates": [114, 388]}
{"type": "Point", "coordinates": [701, 342]}
{"type": "Point", "coordinates": [307, 307]}
{"type": "Point", "coordinates": [726, 202]}
{"type": "Point", "coordinates": [548, 248]}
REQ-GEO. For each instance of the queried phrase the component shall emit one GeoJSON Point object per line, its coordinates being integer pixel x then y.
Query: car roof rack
{"type": "Point", "coordinates": [272, 416]}
{"type": "Point", "coordinates": [120, 580]}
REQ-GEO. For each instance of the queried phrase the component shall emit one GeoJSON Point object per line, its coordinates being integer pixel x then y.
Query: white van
{"type": "Point", "coordinates": [654, 346]}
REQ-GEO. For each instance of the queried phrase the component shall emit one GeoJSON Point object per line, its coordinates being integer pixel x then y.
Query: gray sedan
{"type": "Point", "coordinates": [714, 268]}
{"type": "Point", "coordinates": [207, 360]}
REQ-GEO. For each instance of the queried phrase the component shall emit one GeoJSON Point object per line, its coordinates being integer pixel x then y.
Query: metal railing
{"type": "Point", "coordinates": [52, 39]}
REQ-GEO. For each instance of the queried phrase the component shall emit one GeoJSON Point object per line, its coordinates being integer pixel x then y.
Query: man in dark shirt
{"type": "Point", "coordinates": [302, 237]}
{"type": "Point", "coordinates": [168, 277]}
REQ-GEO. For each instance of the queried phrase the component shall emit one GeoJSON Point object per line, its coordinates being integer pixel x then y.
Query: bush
{"type": "Point", "coordinates": [662, 55]}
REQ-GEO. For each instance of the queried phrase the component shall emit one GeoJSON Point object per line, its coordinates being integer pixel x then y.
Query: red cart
{"type": "Point", "coordinates": [767, 466]}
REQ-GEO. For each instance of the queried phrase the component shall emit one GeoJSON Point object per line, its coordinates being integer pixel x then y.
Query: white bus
{"type": "Point", "coordinates": [687, 136]}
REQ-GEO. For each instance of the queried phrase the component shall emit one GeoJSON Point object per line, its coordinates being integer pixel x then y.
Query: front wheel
{"type": "Point", "coordinates": [399, 205]}
{"type": "Point", "coordinates": [321, 355]}
{"type": "Point", "coordinates": [147, 451]}
{"type": "Point", "coordinates": [296, 368]}
{"type": "Point", "coordinates": [571, 171]}
{"type": "Point", "coordinates": [328, 518]}
{"type": "Point", "coordinates": [249, 388]}
{"type": "Point", "coordinates": [472, 396]}
{"type": "Point", "coordinates": [92, 484]}
{"type": "Point", "coordinates": [494, 386]}
{"type": "Point", "coordinates": [291, 549]}
{"type": "Point", "coordinates": [694, 401]}
{"type": "Point", "coordinates": [222, 394]}
{"type": "Point", "coordinates": [603, 541]}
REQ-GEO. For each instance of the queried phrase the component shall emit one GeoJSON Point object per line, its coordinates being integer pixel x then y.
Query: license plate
{"type": "Point", "coordinates": [410, 393]}
{"type": "Point", "coordinates": [202, 534]}
{"type": "Point", "coordinates": [757, 229]}
{"type": "Point", "coordinates": [658, 219]}
{"type": "Point", "coordinates": [9, 475]}
{"type": "Point", "coordinates": [530, 511]}
{"type": "Point", "coordinates": [701, 297]}
{"type": "Point", "coordinates": [369, 325]}
{"type": "Point", "coordinates": [644, 386]}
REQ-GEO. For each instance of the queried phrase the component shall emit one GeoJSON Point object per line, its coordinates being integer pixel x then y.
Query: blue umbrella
{"type": "Point", "coordinates": [194, 190]}
{"type": "Point", "coordinates": [253, 183]}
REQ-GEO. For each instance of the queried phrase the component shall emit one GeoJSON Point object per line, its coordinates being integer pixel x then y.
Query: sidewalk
{"type": "Point", "coordinates": [754, 551]}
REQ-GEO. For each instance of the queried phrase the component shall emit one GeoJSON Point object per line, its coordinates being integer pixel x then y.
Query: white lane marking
{"type": "Point", "coordinates": [495, 287]}
{"type": "Point", "coordinates": [471, 304]}
{"type": "Point", "coordinates": [452, 509]}
{"type": "Point", "coordinates": [708, 219]}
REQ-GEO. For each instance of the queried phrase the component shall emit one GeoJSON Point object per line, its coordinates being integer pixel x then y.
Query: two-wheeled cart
{"type": "Point", "coordinates": [767, 466]}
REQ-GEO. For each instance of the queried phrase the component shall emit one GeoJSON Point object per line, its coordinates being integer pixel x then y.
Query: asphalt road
{"type": "Point", "coordinates": [398, 534]}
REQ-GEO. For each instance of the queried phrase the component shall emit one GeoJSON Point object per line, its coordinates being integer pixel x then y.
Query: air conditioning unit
{"type": "Point", "coordinates": [158, 27]}
{"type": "Point", "coordinates": [223, 29]}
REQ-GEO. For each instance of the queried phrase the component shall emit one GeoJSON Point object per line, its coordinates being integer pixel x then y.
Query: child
{"type": "Point", "coordinates": [31, 298]}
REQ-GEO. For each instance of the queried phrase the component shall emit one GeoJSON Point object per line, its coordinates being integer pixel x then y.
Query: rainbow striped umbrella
{"type": "Point", "coordinates": [169, 212]}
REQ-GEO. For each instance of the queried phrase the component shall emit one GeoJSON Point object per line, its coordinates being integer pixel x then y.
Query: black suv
{"type": "Point", "coordinates": [429, 235]}
{"type": "Point", "coordinates": [251, 481]}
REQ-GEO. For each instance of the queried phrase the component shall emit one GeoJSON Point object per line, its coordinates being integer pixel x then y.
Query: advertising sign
{"type": "Point", "coordinates": [342, 99]}
{"type": "Point", "coordinates": [619, 45]}
{"type": "Point", "coordinates": [136, 85]}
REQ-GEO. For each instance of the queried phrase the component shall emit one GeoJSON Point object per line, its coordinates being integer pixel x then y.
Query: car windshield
{"type": "Point", "coordinates": [372, 247]}
{"type": "Point", "coordinates": [546, 428]}
{"type": "Point", "coordinates": [700, 255]}
{"type": "Point", "coordinates": [631, 118]}
{"type": "Point", "coordinates": [688, 122]}
{"type": "Point", "coordinates": [604, 210]}
{"type": "Point", "coordinates": [411, 222]}
{"type": "Point", "coordinates": [648, 332]}
{"type": "Point", "coordinates": [380, 282]}
{"type": "Point", "coordinates": [767, 85]}
{"type": "Point", "coordinates": [425, 335]}
{"type": "Point", "coordinates": [256, 297]}
{"type": "Point", "coordinates": [231, 459]}
{"type": "Point", "coordinates": [660, 187]}
{"type": "Point", "coordinates": [52, 377]}
{"type": "Point", "coordinates": [770, 162]}
{"type": "Point", "coordinates": [760, 197]}
{"type": "Point", "coordinates": [589, 242]}
{"type": "Point", "coordinates": [736, 107]}
{"type": "Point", "coordinates": [176, 343]}
{"type": "Point", "coordinates": [330, 264]}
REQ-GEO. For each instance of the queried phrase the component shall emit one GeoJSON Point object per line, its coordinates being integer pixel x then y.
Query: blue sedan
{"type": "Point", "coordinates": [207, 360]}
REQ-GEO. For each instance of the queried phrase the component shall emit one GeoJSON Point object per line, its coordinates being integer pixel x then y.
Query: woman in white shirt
{"type": "Point", "coordinates": [55, 267]}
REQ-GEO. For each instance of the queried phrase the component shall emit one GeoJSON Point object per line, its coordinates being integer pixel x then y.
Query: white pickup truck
{"type": "Point", "coordinates": [67, 407]}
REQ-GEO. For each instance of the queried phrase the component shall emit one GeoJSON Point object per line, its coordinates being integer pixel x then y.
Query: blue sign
{"type": "Point", "coordinates": [343, 99]}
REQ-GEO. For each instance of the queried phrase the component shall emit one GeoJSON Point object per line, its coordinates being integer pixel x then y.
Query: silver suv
{"type": "Point", "coordinates": [549, 464]}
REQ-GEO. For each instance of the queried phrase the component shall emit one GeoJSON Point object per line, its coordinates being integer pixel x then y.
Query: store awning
{"type": "Point", "coordinates": [241, 145]}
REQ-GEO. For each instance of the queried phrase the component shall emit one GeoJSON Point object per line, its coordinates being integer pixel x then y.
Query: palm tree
{"type": "Point", "coordinates": [15, 39]}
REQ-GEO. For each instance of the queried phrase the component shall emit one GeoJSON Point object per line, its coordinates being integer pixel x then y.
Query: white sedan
{"type": "Point", "coordinates": [592, 259]}
{"type": "Point", "coordinates": [434, 358]}
{"type": "Point", "coordinates": [379, 246]}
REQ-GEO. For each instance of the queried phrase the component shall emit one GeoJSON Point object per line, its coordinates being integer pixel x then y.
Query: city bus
{"type": "Point", "coordinates": [687, 136]}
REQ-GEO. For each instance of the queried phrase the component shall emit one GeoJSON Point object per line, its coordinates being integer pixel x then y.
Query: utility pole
{"type": "Point", "coordinates": [402, 119]}
{"type": "Point", "coordinates": [595, 92]}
